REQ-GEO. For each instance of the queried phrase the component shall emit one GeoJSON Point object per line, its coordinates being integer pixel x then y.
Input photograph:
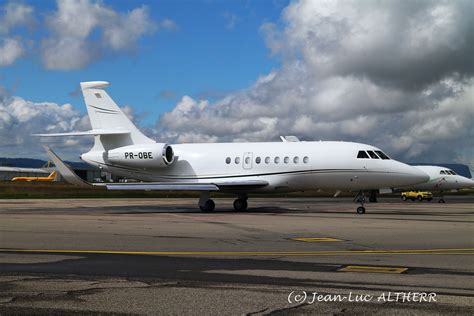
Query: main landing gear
{"type": "Point", "coordinates": [360, 198]}
{"type": "Point", "coordinates": [205, 203]}
{"type": "Point", "coordinates": [208, 205]}
{"type": "Point", "coordinates": [241, 203]}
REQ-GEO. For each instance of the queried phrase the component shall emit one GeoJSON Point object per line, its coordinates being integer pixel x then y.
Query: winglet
{"type": "Point", "coordinates": [66, 172]}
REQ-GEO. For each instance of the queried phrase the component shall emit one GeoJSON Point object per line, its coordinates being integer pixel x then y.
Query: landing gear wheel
{"type": "Point", "coordinates": [240, 204]}
{"type": "Point", "coordinates": [361, 210]}
{"type": "Point", "coordinates": [209, 206]}
{"type": "Point", "coordinates": [419, 198]}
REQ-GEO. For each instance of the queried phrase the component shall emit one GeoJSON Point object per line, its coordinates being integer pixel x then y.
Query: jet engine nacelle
{"type": "Point", "coordinates": [146, 156]}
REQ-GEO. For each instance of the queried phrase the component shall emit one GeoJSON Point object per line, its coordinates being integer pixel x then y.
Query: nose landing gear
{"type": "Point", "coordinates": [441, 197]}
{"type": "Point", "coordinates": [360, 198]}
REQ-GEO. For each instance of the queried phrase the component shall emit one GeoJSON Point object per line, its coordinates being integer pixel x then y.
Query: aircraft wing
{"type": "Point", "coordinates": [184, 186]}
{"type": "Point", "coordinates": [162, 186]}
{"type": "Point", "coordinates": [66, 172]}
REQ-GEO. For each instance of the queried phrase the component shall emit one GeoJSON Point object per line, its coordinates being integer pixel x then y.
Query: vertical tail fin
{"type": "Point", "coordinates": [104, 114]}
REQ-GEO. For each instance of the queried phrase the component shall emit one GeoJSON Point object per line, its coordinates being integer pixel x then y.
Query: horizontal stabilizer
{"type": "Point", "coordinates": [66, 172]}
{"type": "Point", "coordinates": [92, 132]}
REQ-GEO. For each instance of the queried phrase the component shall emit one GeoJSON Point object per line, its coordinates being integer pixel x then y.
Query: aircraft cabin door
{"type": "Point", "coordinates": [248, 158]}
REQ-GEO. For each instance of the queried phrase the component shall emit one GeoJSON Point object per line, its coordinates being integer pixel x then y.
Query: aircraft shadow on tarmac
{"type": "Point", "coordinates": [195, 269]}
{"type": "Point", "coordinates": [273, 210]}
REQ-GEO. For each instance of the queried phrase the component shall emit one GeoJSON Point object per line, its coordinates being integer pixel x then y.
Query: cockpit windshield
{"type": "Point", "coordinates": [372, 154]}
{"type": "Point", "coordinates": [382, 155]}
{"type": "Point", "coordinates": [362, 154]}
{"type": "Point", "coordinates": [376, 154]}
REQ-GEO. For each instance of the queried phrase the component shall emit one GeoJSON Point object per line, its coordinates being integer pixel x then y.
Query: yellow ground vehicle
{"type": "Point", "coordinates": [415, 195]}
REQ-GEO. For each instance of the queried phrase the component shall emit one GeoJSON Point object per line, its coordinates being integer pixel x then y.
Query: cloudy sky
{"type": "Point", "coordinates": [395, 74]}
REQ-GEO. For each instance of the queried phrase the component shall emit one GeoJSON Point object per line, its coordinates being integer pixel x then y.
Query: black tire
{"type": "Point", "coordinates": [209, 206]}
{"type": "Point", "coordinates": [240, 205]}
{"type": "Point", "coordinates": [404, 197]}
{"type": "Point", "coordinates": [361, 210]}
{"type": "Point", "coordinates": [419, 198]}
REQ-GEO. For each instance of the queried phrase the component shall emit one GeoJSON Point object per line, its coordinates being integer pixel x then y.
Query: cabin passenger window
{"type": "Point", "coordinates": [277, 159]}
{"type": "Point", "coordinates": [267, 160]}
{"type": "Point", "coordinates": [257, 160]}
{"type": "Point", "coordinates": [286, 159]}
{"type": "Point", "coordinates": [237, 160]}
{"type": "Point", "coordinates": [227, 160]}
{"type": "Point", "coordinates": [296, 159]}
{"type": "Point", "coordinates": [362, 154]}
{"type": "Point", "coordinates": [372, 154]}
{"type": "Point", "coordinates": [305, 159]}
{"type": "Point", "coordinates": [382, 155]}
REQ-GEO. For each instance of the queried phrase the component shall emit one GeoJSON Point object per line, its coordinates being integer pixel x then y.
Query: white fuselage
{"type": "Point", "coordinates": [286, 166]}
{"type": "Point", "coordinates": [441, 179]}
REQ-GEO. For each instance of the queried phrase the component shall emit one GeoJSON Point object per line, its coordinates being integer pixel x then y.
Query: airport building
{"type": "Point", "coordinates": [86, 172]}
{"type": "Point", "coordinates": [7, 173]}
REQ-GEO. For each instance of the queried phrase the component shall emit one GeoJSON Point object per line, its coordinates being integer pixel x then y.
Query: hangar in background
{"type": "Point", "coordinates": [12, 167]}
{"type": "Point", "coordinates": [8, 173]}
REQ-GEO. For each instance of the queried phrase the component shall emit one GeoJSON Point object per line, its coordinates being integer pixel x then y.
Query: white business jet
{"type": "Point", "coordinates": [238, 168]}
{"type": "Point", "coordinates": [441, 179]}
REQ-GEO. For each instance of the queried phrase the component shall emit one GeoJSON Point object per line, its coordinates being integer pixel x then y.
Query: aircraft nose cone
{"type": "Point", "coordinates": [419, 176]}
{"type": "Point", "coordinates": [468, 183]}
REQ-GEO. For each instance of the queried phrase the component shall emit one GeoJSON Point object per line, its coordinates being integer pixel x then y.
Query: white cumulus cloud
{"type": "Point", "coordinates": [12, 16]}
{"type": "Point", "coordinates": [394, 74]}
{"type": "Point", "coordinates": [19, 118]}
{"type": "Point", "coordinates": [72, 44]}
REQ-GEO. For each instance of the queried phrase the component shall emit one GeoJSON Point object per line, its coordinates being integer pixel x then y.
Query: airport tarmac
{"type": "Point", "coordinates": [163, 256]}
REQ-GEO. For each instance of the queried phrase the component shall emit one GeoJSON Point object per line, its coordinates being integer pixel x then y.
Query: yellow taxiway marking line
{"type": "Point", "coordinates": [446, 251]}
{"type": "Point", "coordinates": [373, 269]}
{"type": "Point", "coordinates": [315, 239]}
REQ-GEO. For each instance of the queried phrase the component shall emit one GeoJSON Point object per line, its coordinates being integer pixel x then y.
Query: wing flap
{"type": "Point", "coordinates": [248, 183]}
{"type": "Point", "coordinates": [163, 186]}
{"type": "Point", "coordinates": [184, 186]}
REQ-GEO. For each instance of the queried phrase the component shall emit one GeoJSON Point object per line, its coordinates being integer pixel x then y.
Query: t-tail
{"type": "Point", "coordinates": [110, 126]}
{"type": "Point", "coordinates": [116, 139]}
